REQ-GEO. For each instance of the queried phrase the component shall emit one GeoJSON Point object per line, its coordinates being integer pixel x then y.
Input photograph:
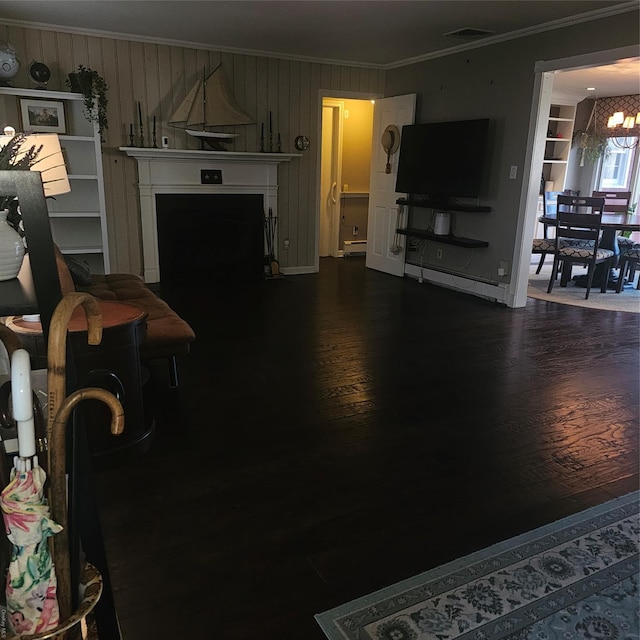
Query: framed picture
{"type": "Point", "coordinates": [45, 116]}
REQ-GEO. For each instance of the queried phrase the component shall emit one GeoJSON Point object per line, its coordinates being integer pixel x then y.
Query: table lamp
{"type": "Point", "coordinates": [49, 162]}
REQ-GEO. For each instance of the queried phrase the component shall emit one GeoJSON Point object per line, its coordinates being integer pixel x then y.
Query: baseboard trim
{"type": "Point", "coordinates": [297, 271]}
{"type": "Point", "coordinates": [354, 247]}
{"type": "Point", "coordinates": [464, 284]}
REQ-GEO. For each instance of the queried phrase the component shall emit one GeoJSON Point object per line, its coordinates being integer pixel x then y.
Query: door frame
{"type": "Point", "coordinates": [337, 95]}
{"type": "Point", "coordinates": [336, 150]}
{"type": "Point", "coordinates": [528, 209]}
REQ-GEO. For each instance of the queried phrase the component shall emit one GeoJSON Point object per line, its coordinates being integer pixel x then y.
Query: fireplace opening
{"type": "Point", "coordinates": [204, 238]}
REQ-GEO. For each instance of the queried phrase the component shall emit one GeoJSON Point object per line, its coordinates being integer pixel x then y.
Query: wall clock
{"type": "Point", "coordinates": [39, 73]}
{"type": "Point", "coordinates": [302, 143]}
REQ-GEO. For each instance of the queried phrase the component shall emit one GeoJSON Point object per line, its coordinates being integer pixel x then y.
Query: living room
{"type": "Point", "coordinates": [500, 77]}
{"type": "Point", "coordinates": [339, 429]}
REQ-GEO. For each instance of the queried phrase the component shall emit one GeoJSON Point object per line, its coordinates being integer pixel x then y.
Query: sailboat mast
{"type": "Point", "coordinates": [204, 97]}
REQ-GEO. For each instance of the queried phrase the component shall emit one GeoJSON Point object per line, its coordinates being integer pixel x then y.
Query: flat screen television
{"type": "Point", "coordinates": [442, 161]}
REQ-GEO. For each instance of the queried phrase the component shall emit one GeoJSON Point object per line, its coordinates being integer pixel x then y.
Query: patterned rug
{"type": "Point", "coordinates": [576, 579]}
{"type": "Point", "coordinates": [626, 300]}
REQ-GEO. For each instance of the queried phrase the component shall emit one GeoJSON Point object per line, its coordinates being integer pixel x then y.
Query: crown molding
{"type": "Point", "coordinates": [631, 5]}
{"type": "Point", "coordinates": [128, 37]}
{"type": "Point", "coordinates": [521, 33]}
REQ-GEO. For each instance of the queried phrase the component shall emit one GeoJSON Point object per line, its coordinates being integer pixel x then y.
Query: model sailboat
{"type": "Point", "coordinates": [210, 103]}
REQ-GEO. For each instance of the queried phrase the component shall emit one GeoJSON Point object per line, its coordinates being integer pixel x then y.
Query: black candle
{"type": "Point", "coordinates": [131, 129]}
{"type": "Point", "coordinates": [262, 131]}
{"type": "Point", "coordinates": [154, 125]}
{"type": "Point", "coordinates": [140, 113]}
{"type": "Point", "coordinates": [270, 124]}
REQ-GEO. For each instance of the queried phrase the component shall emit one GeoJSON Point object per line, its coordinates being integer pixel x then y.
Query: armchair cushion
{"type": "Point", "coordinates": [168, 334]}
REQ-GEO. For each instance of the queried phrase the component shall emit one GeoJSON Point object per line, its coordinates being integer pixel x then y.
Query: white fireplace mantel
{"type": "Point", "coordinates": [181, 171]}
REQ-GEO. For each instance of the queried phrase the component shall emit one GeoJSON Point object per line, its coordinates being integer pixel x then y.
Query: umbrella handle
{"type": "Point", "coordinates": [57, 347]}
{"type": "Point", "coordinates": [22, 402]}
{"type": "Point", "coordinates": [58, 492]}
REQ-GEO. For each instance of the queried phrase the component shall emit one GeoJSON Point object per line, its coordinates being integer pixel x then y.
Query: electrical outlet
{"type": "Point", "coordinates": [355, 231]}
{"type": "Point", "coordinates": [211, 176]}
{"type": "Point", "coordinates": [286, 243]}
{"type": "Point", "coordinates": [439, 254]}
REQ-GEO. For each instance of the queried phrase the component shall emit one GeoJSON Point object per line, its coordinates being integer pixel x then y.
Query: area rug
{"type": "Point", "coordinates": [627, 300]}
{"type": "Point", "coordinates": [575, 579]}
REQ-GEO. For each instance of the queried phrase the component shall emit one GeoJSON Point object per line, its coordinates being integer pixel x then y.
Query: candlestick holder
{"type": "Point", "coordinates": [279, 145]}
{"type": "Point", "coordinates": [131, 140]}
{"type": "Point", "coordinates": [270, 142]}
{"type": "Point", "coordinates": [261, 144]}
{"type": "Point", "coordinates": [155, 142]}
{"type": "Point", "coordinates": [141, 135]}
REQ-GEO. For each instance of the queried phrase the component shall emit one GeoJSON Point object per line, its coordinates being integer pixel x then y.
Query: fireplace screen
{"type": "Point", "coordinates": [204, 238]}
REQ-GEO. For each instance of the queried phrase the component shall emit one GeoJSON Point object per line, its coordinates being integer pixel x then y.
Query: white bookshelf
{"type": "Point", "coordinates": [78, 218]}
{"type": "Point", "coordinates": [558, 144]}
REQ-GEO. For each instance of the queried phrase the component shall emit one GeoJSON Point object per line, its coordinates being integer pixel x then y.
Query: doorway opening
{"type": "Point", "coordinates": [345, 161]}
{"type": "Point", "coordinates": [530, 201]}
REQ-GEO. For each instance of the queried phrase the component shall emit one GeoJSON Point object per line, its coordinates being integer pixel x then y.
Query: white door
{"type": "Point", "coordinates": [383, 210]}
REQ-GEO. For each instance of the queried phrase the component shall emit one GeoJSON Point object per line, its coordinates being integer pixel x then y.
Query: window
{"type": "Point", "coordinates": [619, 168]}
{"type": "Point", "coordinates": [616, 165]}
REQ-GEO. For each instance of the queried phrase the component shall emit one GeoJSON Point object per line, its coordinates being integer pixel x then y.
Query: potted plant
{"type": "Point", "coordinates": [592, 145]}
{"type": "Point", "coordinates": [591, 141]}
{"type": "Point", "coordinates": [12, 247]}
{"type": "Point", "coordinates": [13, 158]}
{"type": "Point", "coordinates": [94, 89]}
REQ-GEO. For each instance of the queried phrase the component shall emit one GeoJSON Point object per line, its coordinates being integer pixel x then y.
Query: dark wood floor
{"type": "Point", "coordinates": [338, 432]}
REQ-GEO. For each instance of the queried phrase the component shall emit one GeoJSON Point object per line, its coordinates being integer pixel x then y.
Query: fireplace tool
{"type": "Point", "coordinates": [270, 225]}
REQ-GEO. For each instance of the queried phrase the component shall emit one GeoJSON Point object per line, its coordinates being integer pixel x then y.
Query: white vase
{"type": "Point", "coordinates": [11, 249]}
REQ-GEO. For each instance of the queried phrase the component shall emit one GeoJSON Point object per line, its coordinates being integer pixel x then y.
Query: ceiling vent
{"type": "Point", "coordinates": [469, 33]}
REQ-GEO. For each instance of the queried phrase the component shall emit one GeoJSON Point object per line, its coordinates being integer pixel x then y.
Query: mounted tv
{"type": "Point", "coordinates": [442, 161]}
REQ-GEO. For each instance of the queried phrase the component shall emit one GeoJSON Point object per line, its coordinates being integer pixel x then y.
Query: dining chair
{"type": "Point", "coordinates": [614, 201]}
{"type": "Point", "coordinates": [578, 229]}
{"type": "Point", "coordinates": [547, 244]}
{"type": "Point", "coordinates": [617, 202]}
{"type": "Point", "coordinates": [631, 259]}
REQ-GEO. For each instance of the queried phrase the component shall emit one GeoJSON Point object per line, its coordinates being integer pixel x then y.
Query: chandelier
{"type": "Point", "coordinates": [624, 123]}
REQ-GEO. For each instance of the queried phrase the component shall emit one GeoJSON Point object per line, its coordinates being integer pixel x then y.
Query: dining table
{"type": "Point", "coordinates": [612, 224]}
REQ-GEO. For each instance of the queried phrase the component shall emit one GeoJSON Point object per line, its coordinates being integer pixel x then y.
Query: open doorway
{"type": "Point", "coordinates": [530, 201]}
{"type": "Point", "coordinates": [345, 159]}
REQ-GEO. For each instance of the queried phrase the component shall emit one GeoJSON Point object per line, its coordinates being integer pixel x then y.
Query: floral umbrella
{"type": "Point", "coordinates": [31, 588]}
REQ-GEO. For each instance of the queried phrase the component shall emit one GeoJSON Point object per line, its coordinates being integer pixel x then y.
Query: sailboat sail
{"type": "Point", "coordinates": [220, 106]}
{"type": "Point", "coordinates": [210, 103]}
{"type": "Point", "coordinates": [182, 114]}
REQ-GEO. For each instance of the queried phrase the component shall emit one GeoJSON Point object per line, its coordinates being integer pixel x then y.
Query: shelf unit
{"type": "Point", "coordinates": [427, 204]}
{"type": "Point", "coordinates": [354, 195]}
{"type": "Point", "coordinates": [77, 218]}
{"type": "Point", "coordinates": [459, 241]}
{"type": "Point", "coordinates": [558, 144]}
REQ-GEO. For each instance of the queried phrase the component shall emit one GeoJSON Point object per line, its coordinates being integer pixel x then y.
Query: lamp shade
{"type": "Point", "coordinates": [49, 161]}
{"type": "Point", "coordinates": [617, 118]}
